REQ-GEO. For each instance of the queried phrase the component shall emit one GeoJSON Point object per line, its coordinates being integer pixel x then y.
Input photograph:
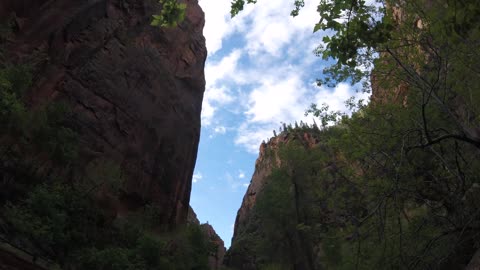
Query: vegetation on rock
{"type": "Point", "coordinates": [171, 15]}
{"type": "Point", "coordinates": [57, 210]}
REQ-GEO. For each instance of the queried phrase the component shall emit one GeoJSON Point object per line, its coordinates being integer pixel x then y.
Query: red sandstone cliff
{"type": "Point", "coordinates": [135, 90]}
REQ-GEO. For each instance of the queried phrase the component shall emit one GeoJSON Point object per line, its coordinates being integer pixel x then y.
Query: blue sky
{"type": "Point", "coordinates": [260, 72]}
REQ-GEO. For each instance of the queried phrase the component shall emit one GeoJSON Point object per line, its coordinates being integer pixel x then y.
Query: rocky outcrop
{"type": "Point", "coordinates": [192, 217]}
{"type": "Point", "coordinates": [242, 256]}
{"type": "Point", "coordinates": [267, 160]}
{"type": "Point", "coordinates": [135, 90]}
{"type": "Point", "coordinates": [386, 89]}
{"type": "Point", "coordinates": [215, 260]}
{"type": "Point", "coordinates": [217, 252]}
{"type": "Point", "coordinates": [263, 168]}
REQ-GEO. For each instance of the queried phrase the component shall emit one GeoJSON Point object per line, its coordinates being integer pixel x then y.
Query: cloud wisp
{"type": "Point", "coordinates": [197, 177]}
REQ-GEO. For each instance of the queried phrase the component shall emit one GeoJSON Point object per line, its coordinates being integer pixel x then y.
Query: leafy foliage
{"type": "Point", "coordinates": [171, 15]}
{"type": "Point", "coordinates": [62, 223]}
{"type": "Point", "coordinates": [365, 202]}
{"type": "Point", "coordinates": [56, 219]}
{"type": "Point", "coordinates": [14, 80]}
{"type": "Point", "coordinates": [238, 5]}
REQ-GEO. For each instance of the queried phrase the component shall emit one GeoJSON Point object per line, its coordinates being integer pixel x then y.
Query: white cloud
{"type": "Point", "coordinates": [234, 183]}
{"type": "Point", "coordinates": [223, 69]}
{"type": "Point", "coordinates": [220, 130]}
{"type": "Point", "coordinates": [197, 177]}
{"type": "Point", "coordinates": [241, 175]}
{"type": "Point", "coordinates": [250, 136]}
{"type": "Point", "coordinates": [217, 94]}
{"type": "Point", "coordinates": [217, 23]}
{"type": "Point", "coordinates": [268, 108]}
{"type": "Point", "coordinates": [281, 96]}
{"type": "Point", "coordinates": [272, 27]}
{"type": "Point", "coordinates": [276, 99]}
{"type": "Point", "coordinates": [267, 25]}
{"type": "Point", "coordinates": [266, 71]}
{"type": "Point", "coordinates": [207, 112]}
{"type": "Point", "coordinates": [269, 37]}
{"type": "Point", "coordinates": [335, 98]}
{"type": "Point", "coordinates": [220, 95]}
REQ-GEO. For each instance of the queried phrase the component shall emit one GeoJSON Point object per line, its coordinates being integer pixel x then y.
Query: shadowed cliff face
{"type": "Point", "coordinates": [263, 167]}
{"type": "Point", "coordinates": [216, 245]}
{"type": "Point", "coordinates": [135, 90]}
{"type": "Point", "coordinates": [248, 224]}
{"type": "Point", "coordinates": [243, 257]}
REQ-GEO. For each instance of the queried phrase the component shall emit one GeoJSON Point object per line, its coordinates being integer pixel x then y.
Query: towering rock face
{"type": "Point", "coordinates": [267, 160]}
{"type": "Point", "coordinates": [242, 254]}
{"type": "Point", "coordinates": [263, 168]}
{"type": "Point", "coordinates": [135, 90]}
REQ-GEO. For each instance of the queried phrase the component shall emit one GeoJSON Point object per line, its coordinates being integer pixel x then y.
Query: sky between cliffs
{"type": "Point", "coordinates": [260, 72]}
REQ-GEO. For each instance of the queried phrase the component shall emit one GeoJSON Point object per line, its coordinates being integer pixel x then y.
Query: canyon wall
{"type": "Point", "coordinates": [135, 90]}
{"type": "Point", "coordinates": [250, 229]}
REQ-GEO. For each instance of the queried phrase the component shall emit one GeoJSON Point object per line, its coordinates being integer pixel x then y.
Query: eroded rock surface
{"type": "Point", "coordinates": [135, 90]}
